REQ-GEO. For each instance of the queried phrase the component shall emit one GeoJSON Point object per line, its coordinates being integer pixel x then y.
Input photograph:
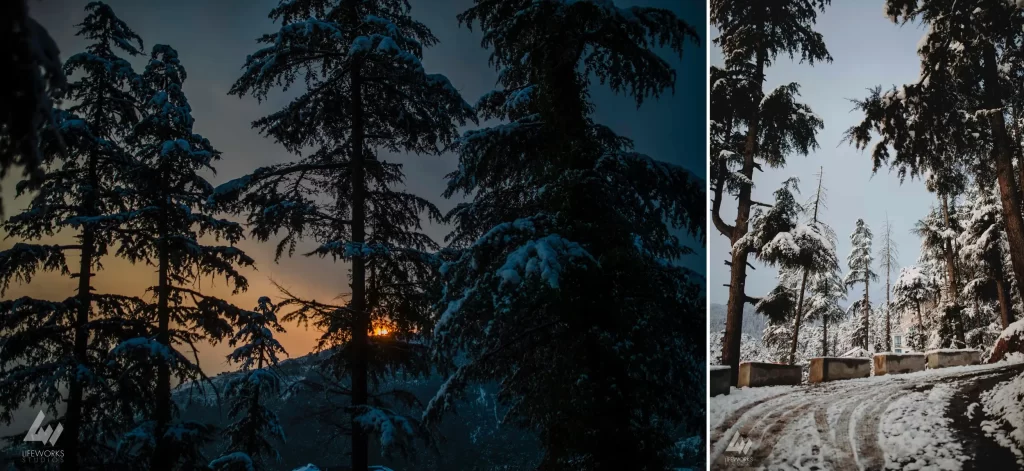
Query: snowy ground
{"type": "Point", "coordinates": [932, 420]}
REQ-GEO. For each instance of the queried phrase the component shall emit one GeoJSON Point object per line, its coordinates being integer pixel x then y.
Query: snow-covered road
{"type": "Point", "coordinates": [929, 420]}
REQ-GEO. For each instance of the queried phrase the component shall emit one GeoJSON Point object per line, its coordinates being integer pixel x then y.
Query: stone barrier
{"type": "Point", "coordinates": [755, 374]}
{"type": "Point", "coordinates": [720, 379]}
{"type": "Point", "coordinates": [834, 368]}
{"type": "Point", "coordinates": [898, 363]}
{"type": "Point", "coordinates": [948, 357]}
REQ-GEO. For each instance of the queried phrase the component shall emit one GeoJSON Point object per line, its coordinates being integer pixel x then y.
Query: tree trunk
{"type": "Point", "coordinates": [73, 416]}
{"type": "Point", "coordinates": [361, 327]}
{"type": "Point", "coordinates": [866, 323]}
{"type": "Point", "coordinates": [162, 460]}
{"type": "Point", "coordinates": [824, 337]}
{"type": "Point", "coordinates": [888, 321]}
{"type": "Point", "coordinates": [951, 275]}
{"type": "Point", "coordinates": [920, 328]}
{"type": "Point", "coordinates": [1015, 136]}
{"type": "Point", "coordinates": [796, 322]}
{"type": "Point", "coordinates": [738, 274]}
{"type": "Point", "coordinates": [1008, 194]}
{"type": "Point", "coordinates": [1005, 309]}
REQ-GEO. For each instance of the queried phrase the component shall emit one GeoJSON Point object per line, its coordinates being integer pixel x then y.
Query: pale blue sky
{"type": "Point", "coordinates": [868, 50]}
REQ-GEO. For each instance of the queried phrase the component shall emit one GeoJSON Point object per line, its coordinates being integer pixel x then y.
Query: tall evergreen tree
{"type": "Point", "coordinates": [925, 123]}
{"type": "Point", "coordinates": [565, 289]}
{"type": "Point", "coordinates": [859, 262]}
{"type": "Point", "coordinates": [163, 228]}
{"type": "Point", "coordinates": [828, 268]}
{"type": "Point", "coordinates": [888, 260]}
{"type": "Point", "coordinates": [826, 290]}
{"type": "Point", "coordinates": [250, 435]}
{"type": "Point", "coordinates": [777, 238]}
{"type": "Point", "coordinates": [366, 91]}
{"type": "Point", "coordinates": [938, 234]}
{"type": "Point", "coordinates": [773, 125]}
{"type": "Point", "coordinates": [63, 344]}
{"type": "Point", "coordinates": [30, 60]}
{"type": "Point", "coordinates": [912, 288]}
{"type": "Point", "coordinates": [984, 248]}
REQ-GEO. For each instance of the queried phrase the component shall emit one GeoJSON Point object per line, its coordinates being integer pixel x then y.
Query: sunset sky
{"type": "Point", "coordinates": [213, 39]}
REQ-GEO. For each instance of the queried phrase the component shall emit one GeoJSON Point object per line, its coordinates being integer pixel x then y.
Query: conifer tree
{"type": "Point", "coordinates": [826, 290]}
{"type": "Point", "coordinates": [63, 344]}
{"type": "Point", "coordinates": [250, 435]}
{"type": "Point", "coordinates": [163, 228]}
{"type": "Point", "coordinates": [912, 288]}
{"type": "Point", "coordinates": [829, 268]}
{"type": "Point", "coordinates": [773, 125]}
{"type": "Point", "coordinates": [888, 260]}
{"type": "Point", "coordinates": [777, 238]}
{"type": "Point", "coordinates": [957, 110]}
{"type": "Point", "coordinates": [984, 248]}
{"type": "Point", "coordinates": [565, 287]}
{"type": "Point", "coordinates": [31, 63]}
{"type": "Point", "coordinates": [366, 91]}
{"type": "Point", "coordinates": [859, 262]}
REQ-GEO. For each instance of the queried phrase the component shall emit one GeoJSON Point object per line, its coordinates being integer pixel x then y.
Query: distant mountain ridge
{"type": "Point", "coordinates": [753, 323]}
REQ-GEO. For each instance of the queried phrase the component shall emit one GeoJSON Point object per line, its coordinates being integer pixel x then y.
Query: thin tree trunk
{"type": "Point", "coordinates": [73, 416]}
{"type": "Point", "coordinates": [920, 328]}
{"type": "Point", "coordinates": [866, 322]}
{"type": "Point", "coordinates": [796, 322]}
{"type": "Point", "coordinates": [824, 337]}
{"type": "Point", "coordinates": [162, 460]}
{"type": "Point", "coordinates": [888, 321]}
{"type": "Point", "coordinates": [738, 275]}
{"type": "Point", "coordinates": [361, 327]}
{"type": "Point", "coordinates": [951, 275]}
{"type": "Point", "coordinates": [1008, 194]}
{"type": "Point", "coordinates": [1005, 310]}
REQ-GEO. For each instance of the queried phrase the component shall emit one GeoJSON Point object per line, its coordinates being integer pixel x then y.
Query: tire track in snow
{"type": "Point", "coordinates": [851, 441]}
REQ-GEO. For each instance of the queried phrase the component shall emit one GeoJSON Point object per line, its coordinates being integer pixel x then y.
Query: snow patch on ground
{"type": "Point", "coordinates": [801, 448]}
{"type": "Point", "coordinates": [1005, 403]}
{"type": "Point", "coordinates": [916, 435]}
{"type": "Point", "coordinates": [720, 407]}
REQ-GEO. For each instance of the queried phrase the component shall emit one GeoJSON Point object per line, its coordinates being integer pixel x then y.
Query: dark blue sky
{"type": "Point", "coordinates": [213, 39]}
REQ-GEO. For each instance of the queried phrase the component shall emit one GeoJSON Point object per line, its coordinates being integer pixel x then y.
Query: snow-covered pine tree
{"type": "Point", "coordinates": [79, 186]}
{"type": "Point", "coordinates": [772, 125]}
{"type": "Point", "coordinates": [31, 63]}
{"type": "Point", "coordinates": [957, 109]}
{"type": "Point", "coordinates": [777, 238]}
{"type": "Point", "coordinates": [366, 91]}
{"type": "Point", "coordinates": [566, 289]}
{"type": "Point", "coordinates": [859, 262]}
{"type": "Point", "coordinates": [888, 260]}
{"type": "Point", "coordinates": [826, 290]}
{"type": "Point", "coordinates": [912, 288]}
{"type": "Point", "coordinates": [938, 235]}
{"type": "Point", "coordinates": [162, 228]}
{"type": "Point", "coordinates": [827, 264]}
{"type": "Point", "coordinates": [983, 251]}
{"type": "Point", "coordinates": [250, 435]}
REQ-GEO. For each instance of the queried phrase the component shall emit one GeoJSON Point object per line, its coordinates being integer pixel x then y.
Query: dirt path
{"type": "Point", "coordinates": [836, 426]}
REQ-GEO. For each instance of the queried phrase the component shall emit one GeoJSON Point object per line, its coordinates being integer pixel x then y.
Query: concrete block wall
{"type": "Point", "coordinates": [898, 363]}
{"type": "Point", "coordinates": [833, 368]}
{"type": "Point", "coordinates": [754, 374]}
